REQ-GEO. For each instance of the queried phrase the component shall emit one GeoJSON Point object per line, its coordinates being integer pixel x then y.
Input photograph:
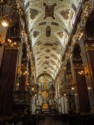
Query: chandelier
{"type": "Point", "coordinates": [8, 12]}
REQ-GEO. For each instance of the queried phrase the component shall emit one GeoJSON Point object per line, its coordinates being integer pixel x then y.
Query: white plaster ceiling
{"type": "Point", "coordinates": [50, 23]}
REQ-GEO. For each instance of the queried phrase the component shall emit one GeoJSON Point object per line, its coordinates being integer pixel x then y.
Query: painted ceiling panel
{"type": "Point", "coordinates": [50, 23]}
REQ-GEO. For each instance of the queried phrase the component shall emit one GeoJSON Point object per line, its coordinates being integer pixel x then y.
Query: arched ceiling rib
{"type": "Point", "coordinates": [50, 23]}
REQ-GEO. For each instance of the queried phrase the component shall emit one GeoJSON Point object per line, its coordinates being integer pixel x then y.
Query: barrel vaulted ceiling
{"type": "Point", "coordinates": [50, 23]}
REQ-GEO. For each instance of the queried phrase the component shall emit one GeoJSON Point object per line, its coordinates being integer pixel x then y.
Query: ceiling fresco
{"type": "Point", "coordinates": [50, 23]}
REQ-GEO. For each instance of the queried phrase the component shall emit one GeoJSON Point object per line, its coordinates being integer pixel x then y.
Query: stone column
{"type": "Point", "coordinates": [86, 49]}
{"type": "Point", "coordinates": [7, 80]}
{"type": "Point", "coordinates": [90, 56]}
{"type": "Point", "coordinates": [82, 89]}
{"type": "Point", "coordinates": [74, 84]}
{"type": "Point", "coordinates": [62, 105]}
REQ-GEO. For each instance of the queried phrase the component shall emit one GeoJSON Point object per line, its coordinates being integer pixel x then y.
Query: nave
{"type": "Point", "coordinates": [49, 120]}
{"type": "Point", "coordinates": [46, 62]}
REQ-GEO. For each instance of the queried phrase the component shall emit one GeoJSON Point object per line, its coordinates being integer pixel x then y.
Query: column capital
{"type": "Point", "coordinates": [89, 47]}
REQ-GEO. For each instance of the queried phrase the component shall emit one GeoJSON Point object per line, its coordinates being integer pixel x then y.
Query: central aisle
{"type": "Point", "coordinates": [48, 120]}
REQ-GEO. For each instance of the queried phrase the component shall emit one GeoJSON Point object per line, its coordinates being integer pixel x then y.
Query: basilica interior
{"type": "Point", "coordinates": [47, 62]}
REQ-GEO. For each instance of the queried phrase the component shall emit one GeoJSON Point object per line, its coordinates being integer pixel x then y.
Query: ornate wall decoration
{"type": "Point", "coordinates": [35, 33]}
{"type": "Point", "coordinates": [54, 23]}
{"type": "Point", "coordinates": [53, 62]}
{"type": "Point", "coordinates": [51, 67]}
{"type": "Point", "coordinates": [48, 50]}
{"type": "Point", "coordinates": [61, 34]}
{"type": "Point", "coordinates": [33, 13]}
{"type": "Point", "coordinates": [47, 57]}
{"type": "Point", "coordinates": [54, 56]}
{"type": "Point", "coordinates": [48, 44]}
{"type": "Point", "coordinates": [65, 14]}
{"type": "Point", "coordinates": [54, 48]}
{"type": "Point", "coordinates": [45, 67]}
{"type": "Point", "coordinates": [45, 93]}
{"type": "Point", "coordinates": [46, 62]}
{"type": "Point", "coordinates": [38, 43]}
{"type": "Point", "coordinates": [87, 9]}
{"type": "Point", "coordinates": [49, 10]}
{"type": "Point", "coordinates": [42, 23]}
{"type": "Point", "coordinates": [89, 47]}
{"type": "Point", "coordinates": [1, 38]}
{"type": "Point", "coordinates": [48, 31]}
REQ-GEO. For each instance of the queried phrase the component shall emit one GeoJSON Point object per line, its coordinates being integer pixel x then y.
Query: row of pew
{"type": "Point", "coordinates": [76, 119]}
{"type": "Point", "coordinates": [71, 119]}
